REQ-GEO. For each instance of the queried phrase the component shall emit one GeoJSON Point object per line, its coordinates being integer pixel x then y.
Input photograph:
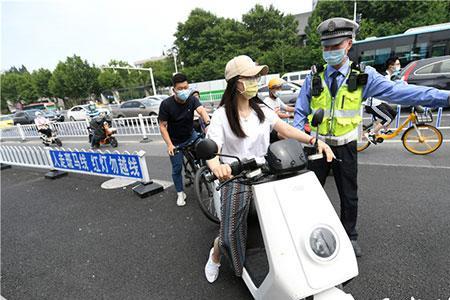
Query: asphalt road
{"type": "Point", "coordinates": [70, 239]}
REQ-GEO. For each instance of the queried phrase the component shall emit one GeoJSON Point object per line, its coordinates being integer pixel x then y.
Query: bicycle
{"type": "Point", "coordinates": [420, 138]}
{"type": "Point", "coordinates": [207, 196]}
{"type": "Point", "coordinates": [195, 170]}
{"type": "Point", "coordinates": [190, 162]}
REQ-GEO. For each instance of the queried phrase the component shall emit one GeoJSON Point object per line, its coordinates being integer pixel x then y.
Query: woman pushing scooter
{"type": "Point", "coordinates": [241, 127]}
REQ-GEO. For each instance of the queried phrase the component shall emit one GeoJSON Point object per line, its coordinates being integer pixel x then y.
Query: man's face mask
{"type": "Point", "coordinates": [183, 95]}
{"type": "Point", "coordinates": [276, 93]}
{"type": "Point", "coordinates": [250, 87]}
{"type": "Point", "coordinates": [334, 57]}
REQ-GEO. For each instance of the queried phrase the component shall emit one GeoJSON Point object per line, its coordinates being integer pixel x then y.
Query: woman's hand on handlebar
{"type": "Point", "coordinates": [222, 172]}
{"type": "Point", "coordinates": [326, 150]}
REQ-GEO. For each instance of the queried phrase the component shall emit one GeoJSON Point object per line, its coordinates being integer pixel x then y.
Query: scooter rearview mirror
{"type": "Point", "coordinates": [315, 122]}
{"type": "Point", "coordinates": [317, 117]}
{"type": "Point", "coordinates": [206, 149]}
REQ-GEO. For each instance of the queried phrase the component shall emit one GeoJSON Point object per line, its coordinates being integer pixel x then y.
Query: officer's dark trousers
{"type": "Point", "coordinates": [345, 175]}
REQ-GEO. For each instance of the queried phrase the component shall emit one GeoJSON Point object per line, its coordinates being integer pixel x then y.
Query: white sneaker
{"type": "Point", "coordinates": [211, 268]}
{"type": "Point", "coordinates": [180, 199]}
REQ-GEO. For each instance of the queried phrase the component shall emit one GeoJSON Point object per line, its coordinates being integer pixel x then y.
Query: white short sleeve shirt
{"type": "Point", "coordinates": [256, 143]}
{"type": "Point", "coordinates": [273, 104]}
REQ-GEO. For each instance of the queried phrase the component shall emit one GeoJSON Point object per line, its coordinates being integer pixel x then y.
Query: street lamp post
{"type": "Point", "coordinates": [174, 52]}
{"type": "Point", "coordinates": [137, 69]}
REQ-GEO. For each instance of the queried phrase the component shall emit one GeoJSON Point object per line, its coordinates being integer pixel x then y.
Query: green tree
{"type": "Point", "coordinates": [75, 79]}
{"type": "Point", "coordinates": [17, 86]}
{"type": "Point", "coordinates": [162, 71]}
{"type": "Point", "coordinates": [206, 42]}
{"type": "Point", "coordinates": [109, 80]}
{"type": "Point", "coordinates": [379, 18]}
{"type": "Point", "coordinates": [40, 79]}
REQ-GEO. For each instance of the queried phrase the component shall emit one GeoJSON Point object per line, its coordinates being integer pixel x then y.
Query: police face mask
{"type": "Point", "coordinates": [334, 57]}
{"type": "Point", "coordinates": [183, 95]}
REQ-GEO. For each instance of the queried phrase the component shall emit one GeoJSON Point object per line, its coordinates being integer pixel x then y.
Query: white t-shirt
{"type": "Point", "coordinates": [256, 143]}
{"type": "Point", "coordinates": [273, 104]}
{"type": "Point", "coordinates": [41, 121]}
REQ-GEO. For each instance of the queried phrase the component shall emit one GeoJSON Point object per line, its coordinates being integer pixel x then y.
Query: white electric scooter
{"type": "Point", "coordinates": [297, 247]}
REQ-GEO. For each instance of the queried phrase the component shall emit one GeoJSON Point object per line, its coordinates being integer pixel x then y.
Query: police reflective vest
{"type": "Point", "coordinates": [342, 113]}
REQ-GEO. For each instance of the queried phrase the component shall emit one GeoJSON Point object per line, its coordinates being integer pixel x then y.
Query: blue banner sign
{"type": "Point", "coordinates": [107, 164]}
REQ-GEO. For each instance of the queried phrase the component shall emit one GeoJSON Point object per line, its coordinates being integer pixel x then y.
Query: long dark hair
{"type": "Point", "coordinates": [229, 101]}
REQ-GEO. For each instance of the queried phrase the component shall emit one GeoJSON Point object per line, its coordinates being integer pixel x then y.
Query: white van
{"type": "Point", "coordinates": [297, 77]}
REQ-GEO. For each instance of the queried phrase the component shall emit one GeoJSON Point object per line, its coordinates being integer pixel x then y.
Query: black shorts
{"type": "Point", "coordinates": [384, 112]}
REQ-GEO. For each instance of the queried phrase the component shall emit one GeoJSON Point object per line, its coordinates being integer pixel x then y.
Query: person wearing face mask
{"type": "Point", "coordinates": [176, 121]}
{"type": "Point", "coordinates": [393, 67]}
{"type": "Point", "coordinates": [381, 109]}
{"type": "Point", "coordinates": [274, 102]}
{"type": "Point", "coordinates": [339, 88]}
{"type": "Point", "coordinates": [241, 127]}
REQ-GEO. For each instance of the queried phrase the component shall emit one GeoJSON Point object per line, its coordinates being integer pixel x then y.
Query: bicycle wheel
{"type": "Point", "coordinates": [189, 172]}
{"type": "Point", "coordinates": [362, 144]}
{"type": "Point", "coordinates": [428, 141]}
{"type": "Point", "coordinates": [205, 192]}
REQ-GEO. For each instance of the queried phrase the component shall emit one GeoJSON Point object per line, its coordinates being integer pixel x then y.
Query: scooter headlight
{"type": "Point", "coordinates": [323, 243]}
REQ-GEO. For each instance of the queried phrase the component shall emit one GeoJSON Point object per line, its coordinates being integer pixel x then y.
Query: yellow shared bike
{"type": "Point", "coordinates": [420, 138]}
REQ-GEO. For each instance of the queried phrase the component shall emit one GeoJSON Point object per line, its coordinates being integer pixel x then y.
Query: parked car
{"type": "Point", "coordinates": [289, 92]}
{"type": "Point", "coordinates": [27, 116]}
{"type": "Point", "coordinates": [41, 106]}
{"type": "Point", "coordinates": [6, 121]}
{"type": "Point", "coordinates": [296, 77]}
{"type": "Point", "coordinates": [148, 106]}
{"type": "Point", "coordinates": [432, 72]}
{"type": "Point", "coordinates": [24, 117]}
{"type": "Point", "coordinates": [79, 112]}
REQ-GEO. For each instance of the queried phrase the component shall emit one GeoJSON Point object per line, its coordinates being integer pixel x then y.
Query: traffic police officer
{"type": "Point", "coordinates": [338, 88]}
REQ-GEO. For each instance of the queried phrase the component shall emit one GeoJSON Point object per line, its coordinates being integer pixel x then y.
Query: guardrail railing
{"type": "Point", "coordinates": [136, 126]}
{"type": "Point", "coordinates": [100, 163]}
{"type": "Point", "coordinates": [24, 156]}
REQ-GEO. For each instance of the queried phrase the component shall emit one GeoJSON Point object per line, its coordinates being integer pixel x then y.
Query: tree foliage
{"type": "Point", "coordinates": [206, 42]}
{"type": "Point", "coordinates": [379, 18]}
{"type": "Point", "coordinates": [74, 78]}
{"type": "Point", "coordinates": [40, 79]}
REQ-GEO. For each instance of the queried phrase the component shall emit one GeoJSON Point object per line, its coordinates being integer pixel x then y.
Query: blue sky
{"type": "Point", "coordinates": [41, 33]}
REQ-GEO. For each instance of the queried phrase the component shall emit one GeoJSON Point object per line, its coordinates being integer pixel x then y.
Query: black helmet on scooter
{"type": "Point", "coordinates": [285, 157]}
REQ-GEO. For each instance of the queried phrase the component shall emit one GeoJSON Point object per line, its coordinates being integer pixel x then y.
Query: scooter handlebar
{"type": "Point", "coordinates": [236, 169]}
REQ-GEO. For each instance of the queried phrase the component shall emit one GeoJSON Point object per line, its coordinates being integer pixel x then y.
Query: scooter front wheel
{"type": "Point", "coordinates": [58, 142]}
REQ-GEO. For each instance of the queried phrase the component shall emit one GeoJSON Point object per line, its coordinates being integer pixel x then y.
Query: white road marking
{"type": "Point", "coordinates": [403, 165]}
{"type": "Point", "coordinates": [116, 183]}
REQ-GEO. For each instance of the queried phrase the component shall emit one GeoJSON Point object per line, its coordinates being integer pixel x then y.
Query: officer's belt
{"type": "Point", "coordinates": [338, 140]}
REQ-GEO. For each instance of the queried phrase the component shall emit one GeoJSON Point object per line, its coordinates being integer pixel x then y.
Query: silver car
{"type": "Point", "coordinates": [289, 92]}
{"type": "Point", "coordinates": [148, 106]}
